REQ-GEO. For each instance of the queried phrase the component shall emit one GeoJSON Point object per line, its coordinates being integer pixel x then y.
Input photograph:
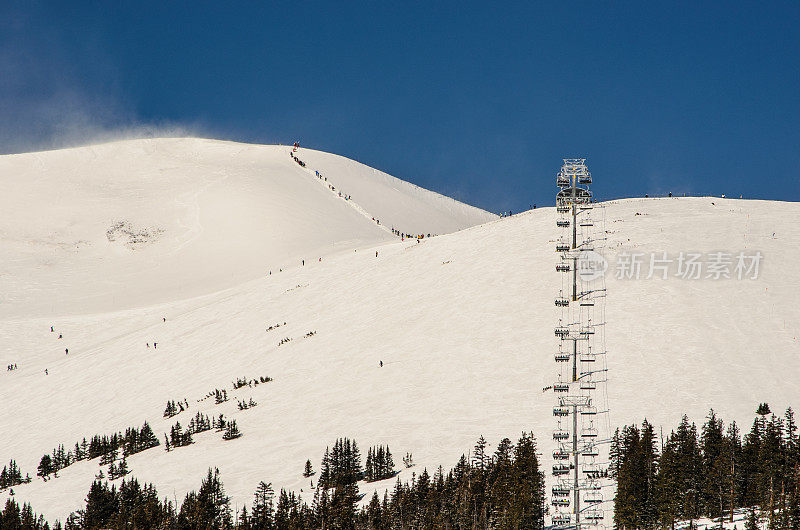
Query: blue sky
{"type": "Point", "coordinates": [479, 101]}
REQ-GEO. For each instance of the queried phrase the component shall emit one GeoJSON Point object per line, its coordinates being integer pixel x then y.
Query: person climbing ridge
{"type": "Point", "coordinates": [381, 363]}
{"type": "Point", "coordinates": [51, 329]}
{"type": "Point", "coordinates": [45, 371]}
{"type": "Point", "coordinates": [66, 351]}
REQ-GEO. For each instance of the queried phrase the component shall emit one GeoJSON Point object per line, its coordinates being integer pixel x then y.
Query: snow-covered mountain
{"type": "Point", "coordinates": [463, 322]}
{"type": "Point", "coordinates": [131, 223]}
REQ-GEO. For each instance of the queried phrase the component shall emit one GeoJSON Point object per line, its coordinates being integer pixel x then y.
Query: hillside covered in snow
{"type": "Point", "coordinates": [421, 345]}
{"type": "Point", "coordinates": [132, 223]}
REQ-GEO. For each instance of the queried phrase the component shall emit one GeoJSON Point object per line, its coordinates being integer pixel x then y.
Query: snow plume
{"type": "Point", "coordinates": [56, 92]}
{"type": "Point", "coordinates": [71, 118]}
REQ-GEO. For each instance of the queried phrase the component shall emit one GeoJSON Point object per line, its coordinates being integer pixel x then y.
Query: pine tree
{"type": "Point", "coordinates": [388, 464]}
{"type": "Point", "coordinates": [479, 457]}
{"type": "Point", "coordinates": [262, 516]}
{"type": "Point", "coordinates": [690, 472]}
{"type": "Point", "coordinates": [635, 504]}
{"type": "Point", "coordinates": [147, 438]}
{"type": "Point", "coordinates": [733, 444]}
{"type": "Point", "coordinates": [650, 461]}
{"type": "Point", "coordinates": [355, 463]}
{"type": "Point", "coordinates": [122, 468]}
{"type": "Point", "coordinates": [209, 507]}
{"type": "Point", "coordinates": [772, 463]}
{"type": "Point", "coordinates": [374, 516]}
{"type": "Point", "coordinates": [528, 508]}
{"type": "Point", "coordinates": [45, 467]}
{"type": "Point", "coordinates": [668, 483]}
{"type": "Point", "coordinates": [751, 466]}
{"type": "Point", "coordinates": [243, 521]}
{"type": "Point", "coordinates": [282, 511]}
{"type": "Point", "coordinates": [101, 505]}
{"type": "Point", "coordinates": [501, 484]}
{"type": "Point", "coordinates": [369, 473]}
{"type": "Point", "coordinates": [343, 506]}
{"type": "Point", "coordinates": [308, 471]}
{"type": "Point", "coordinates": [715, 466]}
{"type": "Point", "coordinates": [231, 432]}
{"type": "Point", "coordinates": [325, 474]}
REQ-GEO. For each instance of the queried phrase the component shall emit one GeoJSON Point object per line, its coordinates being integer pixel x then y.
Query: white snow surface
{"type": "Point", "coordinates": [132, 223]}
{"type": "Point", "coordinates": [463, 323]}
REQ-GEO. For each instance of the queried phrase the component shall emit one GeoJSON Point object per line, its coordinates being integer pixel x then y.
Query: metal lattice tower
{"type": "Point", "coordinates": [577, 494]}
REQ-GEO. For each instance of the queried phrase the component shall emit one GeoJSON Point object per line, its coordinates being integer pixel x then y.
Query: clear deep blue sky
{"type": "Point", "coordinates": [479, 101]}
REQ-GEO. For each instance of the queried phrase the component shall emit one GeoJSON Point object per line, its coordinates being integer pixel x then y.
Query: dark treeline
{"type": "Point", "coordinates": [712, 473]}
{"type": "Point", "coordinates": [342, 465]}
{"type": "Point", "coordinates": [380, 464]}
{"type": "Point", "coordinates": [12, 475]}
{"type": "Point", "coordinates": [504, 489]}
{"type": "Point", "coordinates": [244, 381]}
{"type": "Point", "coordinates": [14, 517]}
{"type": "Point", "coordinates": [133, 441]}
{"type": "Point", "coordinates": [178, 437]}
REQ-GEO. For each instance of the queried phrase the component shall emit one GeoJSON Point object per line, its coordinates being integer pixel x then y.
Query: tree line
{"type": "Point", "coordinates": [133, 441]}
{"type": "Point", "coordinates": [12, 475]}
{"type": "Point", "coordinates": [504, 489]}
{"type": "Point", "coordinates": [711, 473]}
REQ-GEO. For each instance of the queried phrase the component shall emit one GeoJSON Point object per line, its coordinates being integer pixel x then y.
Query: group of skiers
{"type": "Point", "coordinates": [317, 173]}
{"type": "Point", "coordinates": [403, 235]}
{"type": "Point", "coordinates": [299, 162]}
{"type": "Point", "coordinates": [331, 186]}
{"type": "Point", "coordinates": [11, 367]}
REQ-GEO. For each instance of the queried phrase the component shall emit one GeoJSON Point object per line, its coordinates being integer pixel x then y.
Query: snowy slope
{"type": "Point", "coordinates": [398, 204]}
{"type": "Point", "coordinates": [463, 323]}
{"type": "Point", "coordinates": [138, 222]}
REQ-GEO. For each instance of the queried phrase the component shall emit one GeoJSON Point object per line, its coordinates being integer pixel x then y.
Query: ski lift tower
{"type": "Point", "coordinates": [575, 470]}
